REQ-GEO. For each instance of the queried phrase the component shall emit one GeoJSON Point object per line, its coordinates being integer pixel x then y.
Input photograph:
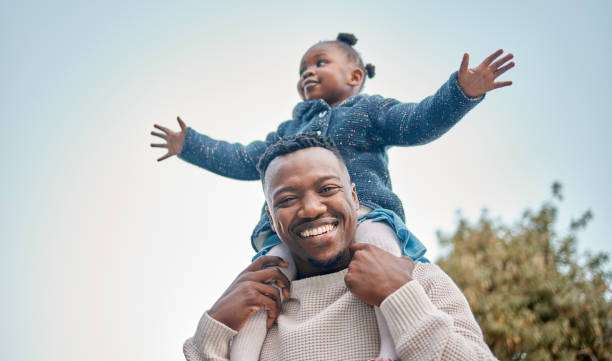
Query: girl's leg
{"type": "Point", "coordinates": [283, 252]}
{"type": "Point", "coordinates": [246, 345]}
{"type": "Point", "coordinates": [381, 235]}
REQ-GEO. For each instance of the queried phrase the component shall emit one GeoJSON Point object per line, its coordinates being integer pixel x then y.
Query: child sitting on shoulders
{"type": "Point", "coordinates": [331, 77]}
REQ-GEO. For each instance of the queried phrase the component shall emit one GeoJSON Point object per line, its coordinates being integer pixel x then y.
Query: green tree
{"type": "Point", "coordinates": [533, 295]}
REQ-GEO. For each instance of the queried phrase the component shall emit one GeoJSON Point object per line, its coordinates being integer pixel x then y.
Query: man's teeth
{"type": "Point", "coordinates": [317, 231]}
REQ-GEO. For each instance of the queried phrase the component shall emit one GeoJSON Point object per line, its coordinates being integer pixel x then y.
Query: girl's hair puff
{"type": "Point", "coordinates": [346, 41]}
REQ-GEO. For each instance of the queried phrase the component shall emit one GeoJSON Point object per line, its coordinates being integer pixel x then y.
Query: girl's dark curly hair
{"type": "Point", "coordinates": [345, 41]}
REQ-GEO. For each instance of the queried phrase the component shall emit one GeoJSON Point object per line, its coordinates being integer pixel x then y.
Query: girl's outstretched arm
{"type": "Point", "coordinates": [397, 123]}
{"type": "Point", "coordinates": [233, 160]}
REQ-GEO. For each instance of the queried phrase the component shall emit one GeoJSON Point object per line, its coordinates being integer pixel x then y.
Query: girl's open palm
{"type": "Point", "coordinates": [174, 140]}
{"type": "Point", "coordinates": [477, 81]}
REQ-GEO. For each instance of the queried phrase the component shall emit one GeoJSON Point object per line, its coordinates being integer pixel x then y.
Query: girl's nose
{"type": "Point", "coordinates": [308, 72]}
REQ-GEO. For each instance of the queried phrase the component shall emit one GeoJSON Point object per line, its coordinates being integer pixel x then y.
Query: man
{"type": "Point", "coordinates": [327, 311]}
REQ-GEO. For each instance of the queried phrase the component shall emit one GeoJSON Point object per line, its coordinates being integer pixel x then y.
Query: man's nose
{"type": "Point", "coordinates": [312, 207]}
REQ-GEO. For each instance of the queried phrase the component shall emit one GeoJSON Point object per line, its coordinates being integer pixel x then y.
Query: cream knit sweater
{"type": "Point", "coordinates": [429, 319]}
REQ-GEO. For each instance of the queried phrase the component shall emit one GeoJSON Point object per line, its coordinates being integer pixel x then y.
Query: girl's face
{"type": "Point", "coordinates": [327, 73]}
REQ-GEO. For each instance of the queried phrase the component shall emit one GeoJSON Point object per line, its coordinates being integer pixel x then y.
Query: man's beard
{"type": "Point", "coordinates": [330, 264]}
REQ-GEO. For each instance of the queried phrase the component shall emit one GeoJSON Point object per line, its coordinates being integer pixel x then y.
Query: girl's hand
{"type": "Point", "coordinates": [481, 79]}
{"type": "Point", "coordinates": [174, 140]}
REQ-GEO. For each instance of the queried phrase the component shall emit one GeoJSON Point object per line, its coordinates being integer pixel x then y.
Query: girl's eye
{"type": "Point", "coordinates": [321, 62]}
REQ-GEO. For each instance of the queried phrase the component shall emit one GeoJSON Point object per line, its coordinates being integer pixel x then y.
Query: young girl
{"type": "Point", "coordinates": [332, 75]}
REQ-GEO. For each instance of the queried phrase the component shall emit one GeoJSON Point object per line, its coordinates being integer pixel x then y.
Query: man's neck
{"type": "Point", "coordinates": [312, 268]}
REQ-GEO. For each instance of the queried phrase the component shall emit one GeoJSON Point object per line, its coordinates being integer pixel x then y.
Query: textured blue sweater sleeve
{"type": "Point", "coordinates": [397, 123]}
{"type": "Point", "coordinates": [232, 160]}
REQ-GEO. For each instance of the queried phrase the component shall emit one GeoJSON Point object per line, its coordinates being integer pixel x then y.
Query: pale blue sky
{"type": "Point", "coordinates": [108, 255]}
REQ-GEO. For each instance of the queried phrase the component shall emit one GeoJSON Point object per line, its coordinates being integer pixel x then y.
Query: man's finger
{"type": "Point", "coordinates": [159, 145]}
{"type": "Point", "coordinates": [181, 124]}
{"type": "Point", "coordinates": [270, 292]}
{"type": "Point", "coordinates": [272, 261]}
{"type": "Point", "coordinates": [464, 63]}
{"type": "Point", "coordinates": [273, 310]}
{"type": "Point", "coordinates": [503, 69]}
{"type": "Point", "coordinates": [269, 275]}
{"type": "Point", "coordinates": [358, 246]}
{"type": "Point", "coordinates": [165, 156]}
{"type": "Point", "coordinates": [492, 57]}
{"type": "Point", "coordinates": [163, 129]}
{"type": "Point", "coordinates": [265, 262]}
{"type": "Point", "coordinates": [285, 289]}
{"type": "Point", "coordinates": [158, 134]}
{"type": "Point", "coordinates": [267, 298]}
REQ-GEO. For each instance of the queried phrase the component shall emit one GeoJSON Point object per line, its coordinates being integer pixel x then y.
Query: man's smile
{"type": "Point", "coordinates": [317, 231]}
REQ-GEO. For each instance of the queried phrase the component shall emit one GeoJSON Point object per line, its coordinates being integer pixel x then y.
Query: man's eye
{"type": "Point", "coordinates": [328, 189]}
{"type": "Point", "coordinates": [285, 201]}
{"type": "Point", "coordinates": [321, 62]}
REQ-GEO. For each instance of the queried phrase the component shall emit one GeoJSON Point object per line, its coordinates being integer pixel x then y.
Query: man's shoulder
{"type": "Point", "coordinates": [429, 274]}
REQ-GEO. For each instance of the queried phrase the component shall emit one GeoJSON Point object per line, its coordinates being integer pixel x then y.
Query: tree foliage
{"type": "Point", "coordinates": [533, 295]}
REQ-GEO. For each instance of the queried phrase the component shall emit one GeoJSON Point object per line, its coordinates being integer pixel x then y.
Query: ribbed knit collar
{"type": "Point", "coordinates": [330, 280]}
{"type": "Point", "coordinates": [305, 109]}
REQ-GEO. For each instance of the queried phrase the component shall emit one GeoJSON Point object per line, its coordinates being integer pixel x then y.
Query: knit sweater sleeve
{"type": "Point", "coordinates": [396, 123]}
{"type": "Point", "coordinates": [430, 319]}
{"type": "Point", "coordinates": [210, 342]}
{"type": "Point", "coordinates": [233, 160]}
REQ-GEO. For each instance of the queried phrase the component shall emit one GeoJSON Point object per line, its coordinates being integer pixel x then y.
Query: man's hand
{"type": "Point", "coordinates": [374, 273]}
{"type": "Point", "coordinates": [174, 140]}
{"type": "Point", "coordinates": [481, 79]}
{"type": "Point", "coordinates": [251, 291]}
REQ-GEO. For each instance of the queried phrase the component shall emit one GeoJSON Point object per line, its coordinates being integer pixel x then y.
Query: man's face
{"type": "Point", "coordinates": [313, 208]}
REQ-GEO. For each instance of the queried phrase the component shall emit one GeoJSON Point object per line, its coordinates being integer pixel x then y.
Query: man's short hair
{"type": "Point", "coordinates": [294, 143]}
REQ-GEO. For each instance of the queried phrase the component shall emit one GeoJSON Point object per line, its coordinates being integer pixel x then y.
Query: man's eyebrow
{"type": "Point", "coordinates": [283, 189]}
{"type": "Point", "coordinates": [293, 189]}
{"type": "Point", "coordinates": [326, 178]}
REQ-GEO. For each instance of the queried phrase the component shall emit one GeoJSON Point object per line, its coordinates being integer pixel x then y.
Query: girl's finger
{"type": "Point", "coordinates": [165, 156]}
{"type": "Point", "coordinates": [501, 84]}
{"type": "Point", "coordinates": [492, 57]}
{"type": "Point", "coordinates": [158, 134]}
{"type": "Point", "coordinates": [464, 63]}
{"type": "Point", "coordinates": [159, 145]}
{"type": "Point", "coordinates": [181, 124]}
{"type": "Point", "coordinates": [163, 129]}
{"type": "Point", "coordinates": [503, 69]}
{"type": "Point", "coordinates": [501, 61]}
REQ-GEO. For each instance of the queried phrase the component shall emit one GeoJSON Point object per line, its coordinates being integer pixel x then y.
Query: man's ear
{"type": "Point", "coordinates": [356, 77]}
{"type": "Point", "coordinates": [354, 195]}
{"type": "Point", "coordinates": [270, 218]}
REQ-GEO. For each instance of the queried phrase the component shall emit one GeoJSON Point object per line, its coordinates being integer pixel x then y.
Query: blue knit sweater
{"type": "Point", "coordinates": [362, 126]}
